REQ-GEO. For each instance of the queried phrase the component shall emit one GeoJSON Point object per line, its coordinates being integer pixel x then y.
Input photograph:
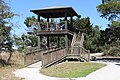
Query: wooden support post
{"type": "Point", "coordinates": [66, 44]}
{"type": "Point", "coordinates": [42, 59]}
{"type": "Point", "coordinates": [39, 42]}
{"type": "Point", "coordinates": [47, 41]}
{"type": "Point", "coordinates": [58, 42]}
{"type": "Point", "coordinates": [79, 51]}
{"type": "Point", "coordinates": [47, 30]}
{"type": "Point", "coordinates": [39, 29]}
{"type": "Point", "coordinates": [47, 23]}
{"type": "Point", "coordinates": [66, 27]}
{"type": "Point", "coordinates": [71, 20]}
{"type": "Point", "coordinates": [66, 36]}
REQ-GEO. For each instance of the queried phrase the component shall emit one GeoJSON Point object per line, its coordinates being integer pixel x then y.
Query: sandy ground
{"type": "Point", "coordinates": [109, 72]}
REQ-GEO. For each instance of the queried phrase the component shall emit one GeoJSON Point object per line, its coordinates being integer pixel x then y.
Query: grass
{"type": "Point", "coordinates": [15, 63]}
{"type": "Point", "coordinates": [71, 69]}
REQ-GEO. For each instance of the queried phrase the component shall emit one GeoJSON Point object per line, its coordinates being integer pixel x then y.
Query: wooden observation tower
{"type": "Point", "coordinates": [73, 42]}
{"type": "Point", "coordinates": [55, 12]}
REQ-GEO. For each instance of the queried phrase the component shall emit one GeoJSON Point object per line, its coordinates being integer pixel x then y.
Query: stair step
{"type": "Point", "coordinates": [76, 44]}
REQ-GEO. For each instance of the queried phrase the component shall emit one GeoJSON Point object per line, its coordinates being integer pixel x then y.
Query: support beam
{"type": "Point", "coordinates": [66, 36]}
{"type": "Point", "coordinates": [47, 23]}
{"type": "Point", "coordinates": [47, 41]}
{"type": "Point", "coordinates": [71, 20]}
{"type": "Point", "coordinates": [66, 27]}
{"type": "Point", "coordinates": [39, 29]}
{"type": "Point", "coordinates": [66, 44]}
{"type": "Point", "coordinates": [39, 42]}
{"type": "Point", "coordinates": [47, 30]}
{"type": "Point", "coordinates": [58, 42]}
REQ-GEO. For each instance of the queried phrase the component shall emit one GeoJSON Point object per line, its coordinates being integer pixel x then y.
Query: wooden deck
{"type": "Point", "coordinates": [54, 33]}
{"type": "Point", "coordinates": [52, 56]}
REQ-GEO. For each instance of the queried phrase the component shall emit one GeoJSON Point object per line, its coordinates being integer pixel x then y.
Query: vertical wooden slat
{"type": "Point", "coordinates": [71, 20]}
{"type": "Point", "coordinates": [42, 58]}
{"type": "Point", "coordinates": [58, 43]}
{"type": "Point", "coordinates": [47, 41]}
{"type": "Point", "coordinates": [39, 29]}
{"type": "Point", "coordinates": [66, 43]}
{"type": "Point", "coordinates": [47, 23]}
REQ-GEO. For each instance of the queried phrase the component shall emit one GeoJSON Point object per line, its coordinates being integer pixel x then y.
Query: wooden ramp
{"type": "Point", "coordinates": [47, 56]}
{"type": "Point", "coordinates": [55, 55]}
{"type": "Point", "coordinates": [32, 55]}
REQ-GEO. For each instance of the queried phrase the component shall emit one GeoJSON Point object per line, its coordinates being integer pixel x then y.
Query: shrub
{"type": "Point", "coordinates": [113, 51]}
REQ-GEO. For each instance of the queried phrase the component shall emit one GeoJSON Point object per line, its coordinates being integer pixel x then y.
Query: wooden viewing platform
{"type": "Point", "coordinates": [73, 45]}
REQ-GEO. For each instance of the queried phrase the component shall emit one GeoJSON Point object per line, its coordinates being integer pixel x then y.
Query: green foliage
{"type": "Point", "coordinates": [25, 41]}
{"type": "Point", "coordinates": [110, 35]}
{"type": "Point", "coordinates": [30, 21]}
{"type": "Point", "coordinates": [6, 41]}
{"type": "Point", "coordinates": [114, 24]}
{"type": "Point", "coordinates": [5, 25]}
{"type": "Point", "coordinates": [113, 49]}
{"type": "Point", "coordinates": [92, 40]}
{"type": "Point", "coordinates": [110, 10]}
{"type": "Point", "coordinates": [82, 25]}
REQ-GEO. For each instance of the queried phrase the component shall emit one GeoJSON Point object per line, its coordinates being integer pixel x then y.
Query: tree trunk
{"type": "Point", "coordinates": [9, 58]}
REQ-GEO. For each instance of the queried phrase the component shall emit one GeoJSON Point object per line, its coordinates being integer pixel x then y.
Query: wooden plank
{"type": "Point", "coordinates": [54, 33]}
{"type": "Point", "coordinates": [52, 56]}
{"type": "Point", "coordinates": [58, 60]}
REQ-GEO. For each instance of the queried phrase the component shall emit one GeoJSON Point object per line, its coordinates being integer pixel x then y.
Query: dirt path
{"type": "Point", "coordinates": [110, 72]}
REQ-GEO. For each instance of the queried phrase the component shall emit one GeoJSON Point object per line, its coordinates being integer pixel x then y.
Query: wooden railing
{"type": "Point", "coordinates": [32, 55]}
{"type": "Point", "coordinates": [52, 56]}
{"type": "Point", "coordinates": [82, 40]}
{"type": "Point", "coordinates": [80, 52]}
{"type": "Point", "coordinates": [73, 41]}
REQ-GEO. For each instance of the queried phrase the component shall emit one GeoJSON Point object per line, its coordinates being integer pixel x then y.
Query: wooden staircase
{"type": "Point", "coordinates": [77, 49]}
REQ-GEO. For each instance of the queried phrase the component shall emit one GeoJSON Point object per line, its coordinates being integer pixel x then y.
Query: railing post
{"type": "Point", "coordinates": [51, 56]}
{"type": "Point", "coordinates": [88, 55]}
{"type": "Point", "coordinates": [42, 59]}
{"type": "Point", "coordinates": [79, 50]}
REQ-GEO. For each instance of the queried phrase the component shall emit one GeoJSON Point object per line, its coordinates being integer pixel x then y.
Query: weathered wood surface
{"type": "Point", "coordinates": [31, 56]}
{"type": "Point", "coordinates": [54, 32]}
{"type": "Point", "coordinates": [79, 52]}
{"type": "Point", "coordinates": [52, 56]}
{"type": "Point", "coordinates": [77, 48]}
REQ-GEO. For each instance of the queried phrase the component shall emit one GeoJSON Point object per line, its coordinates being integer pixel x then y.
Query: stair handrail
{"type": "Point", "coordinates": [73, 41]}
{"type": "Point", "coordinates": [82, 40]}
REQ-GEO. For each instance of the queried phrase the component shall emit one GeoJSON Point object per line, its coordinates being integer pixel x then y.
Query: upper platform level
{"type": "Point", "coordinates": [55, 12]}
